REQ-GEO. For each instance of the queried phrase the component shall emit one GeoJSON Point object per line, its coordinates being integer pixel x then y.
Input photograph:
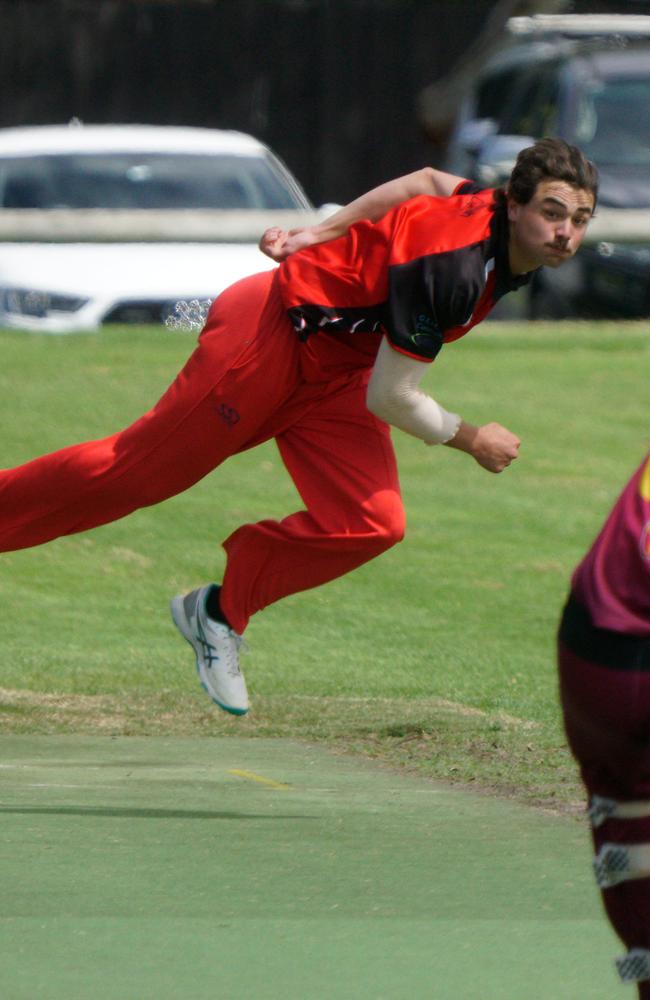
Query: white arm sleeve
{"type": "Point", "coordinates": [394, 396]}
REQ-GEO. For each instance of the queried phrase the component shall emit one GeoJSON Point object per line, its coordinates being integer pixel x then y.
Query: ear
{"type": "Point", "coordinates": [513, 208]}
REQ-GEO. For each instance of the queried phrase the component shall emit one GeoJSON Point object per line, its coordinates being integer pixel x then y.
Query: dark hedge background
{"type": "Point", "coordinates": [331, 85]}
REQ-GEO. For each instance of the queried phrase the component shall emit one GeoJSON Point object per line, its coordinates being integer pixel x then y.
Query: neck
{"type": "Point", "coordinates": [518, 262]}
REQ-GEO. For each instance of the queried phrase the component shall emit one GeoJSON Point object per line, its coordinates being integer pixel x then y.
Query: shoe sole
{"type": "Point", "coordinates": [180, 621]}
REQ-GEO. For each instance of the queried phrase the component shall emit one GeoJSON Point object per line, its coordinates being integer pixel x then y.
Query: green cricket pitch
{"type": "Point", "coordinates": [253, 869]}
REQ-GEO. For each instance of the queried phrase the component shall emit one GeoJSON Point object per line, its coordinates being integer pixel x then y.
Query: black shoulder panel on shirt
{"type": "Point", "coordinates": [433, 294]}
{"type": "Point", "coordinates": [469, 187]}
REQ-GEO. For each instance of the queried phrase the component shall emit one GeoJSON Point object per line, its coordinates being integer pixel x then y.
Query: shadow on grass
{"type": "Point", "coordinates": [105, 812]}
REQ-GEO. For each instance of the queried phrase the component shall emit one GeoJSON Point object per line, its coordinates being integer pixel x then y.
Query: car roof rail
{"type": "Point", "coordinates": [580, 25]}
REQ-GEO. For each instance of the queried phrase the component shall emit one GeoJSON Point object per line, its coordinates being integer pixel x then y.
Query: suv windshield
{"type": "Point", "coordinates": [532, 107]}
{"type": "Point", "coordinates": [613, 123]}
{"type": "Point", "coordinates": [133, 180]}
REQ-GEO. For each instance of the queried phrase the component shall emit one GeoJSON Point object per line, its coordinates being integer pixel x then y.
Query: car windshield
{"type": "Point", "coordinates": [613, 123]}
{"type": "Point", "coordinates": [148, 180]}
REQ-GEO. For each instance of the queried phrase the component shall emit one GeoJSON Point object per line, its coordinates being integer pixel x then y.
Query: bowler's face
{"type": "Point", "coordinates": [550, 228]}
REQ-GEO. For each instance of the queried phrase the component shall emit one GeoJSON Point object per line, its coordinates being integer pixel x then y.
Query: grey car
{"type": "Point", "coordinates": [596, 94]}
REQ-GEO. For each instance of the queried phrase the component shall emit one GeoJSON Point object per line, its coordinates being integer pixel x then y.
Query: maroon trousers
{"type": "Point", "coordinates": [606, 713]}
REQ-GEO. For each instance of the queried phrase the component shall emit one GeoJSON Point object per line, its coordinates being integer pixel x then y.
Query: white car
{"type": "Point", "coordinates": [132, 223]}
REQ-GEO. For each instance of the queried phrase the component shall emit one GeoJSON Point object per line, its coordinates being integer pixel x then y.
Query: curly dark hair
{"type": "Point", "coordinates": [551, 159]}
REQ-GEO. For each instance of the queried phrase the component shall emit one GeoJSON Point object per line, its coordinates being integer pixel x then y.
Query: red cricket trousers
{"type": "Point", "coordinates": [249, 379]}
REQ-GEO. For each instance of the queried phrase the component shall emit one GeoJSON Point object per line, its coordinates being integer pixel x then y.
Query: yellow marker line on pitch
{"type": "Point", "coordinates": [257, 777]}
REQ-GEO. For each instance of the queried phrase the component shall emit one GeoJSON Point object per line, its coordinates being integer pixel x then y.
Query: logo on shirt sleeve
{"type": "Point", "coordinates": [426, 333]}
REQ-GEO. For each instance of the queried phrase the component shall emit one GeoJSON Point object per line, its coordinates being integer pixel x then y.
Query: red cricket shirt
{"type": "Point", "coordinates": [424, 274]}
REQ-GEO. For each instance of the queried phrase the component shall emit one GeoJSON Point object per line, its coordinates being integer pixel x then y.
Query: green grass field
{"type": "Point", "coordinates": [438, 657]}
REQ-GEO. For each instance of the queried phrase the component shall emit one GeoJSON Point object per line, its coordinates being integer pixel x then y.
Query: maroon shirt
{"type": "Point", "coordinates": [613, 580]}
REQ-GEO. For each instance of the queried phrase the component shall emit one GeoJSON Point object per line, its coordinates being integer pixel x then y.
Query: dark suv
{"type": "Point", "coordinates": [595, 94]}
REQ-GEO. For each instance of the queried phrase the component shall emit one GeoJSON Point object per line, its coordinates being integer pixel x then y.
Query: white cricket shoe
{"type": "Point", "coordinates": [217, 651]}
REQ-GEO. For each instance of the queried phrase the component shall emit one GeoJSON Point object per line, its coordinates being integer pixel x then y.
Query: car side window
{"type": "Point", "coordinates": [534, 105]}
{"type": "Point", "coordinates": [493, 94]}
{"type": "Point", "coordinates": [612, 121]}
{"type": "Point", "coordinates": [24, 192]}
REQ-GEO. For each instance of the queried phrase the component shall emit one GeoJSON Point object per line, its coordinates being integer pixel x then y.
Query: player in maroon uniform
{"type": "Point", "coordinates": [604, 662]}
{"type": "Point", "coordinates": [322, 354]}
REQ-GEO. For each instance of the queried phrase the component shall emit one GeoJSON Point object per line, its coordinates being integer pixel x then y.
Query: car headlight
{"type": "Point", "coordinates": [29, 302]}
